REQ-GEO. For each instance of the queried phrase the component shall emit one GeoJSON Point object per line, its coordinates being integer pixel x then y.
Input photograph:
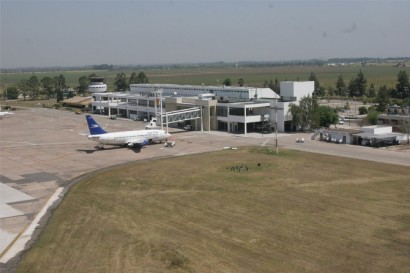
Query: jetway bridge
{"type": "Point", "coordinates": [181, 115]}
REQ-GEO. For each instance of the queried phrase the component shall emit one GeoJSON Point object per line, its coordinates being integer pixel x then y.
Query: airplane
{"type": "Point", "coordinates": [130, 139]}
{"type": "Point", "coordinates": [5, 114]}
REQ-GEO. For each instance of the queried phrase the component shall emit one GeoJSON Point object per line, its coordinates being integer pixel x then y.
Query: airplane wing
{"type": "Point", "coordinates": [136, 142]}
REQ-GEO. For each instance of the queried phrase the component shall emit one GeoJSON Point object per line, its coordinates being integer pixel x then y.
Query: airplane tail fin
{"type": "Point", "coordinates": [93, 126]}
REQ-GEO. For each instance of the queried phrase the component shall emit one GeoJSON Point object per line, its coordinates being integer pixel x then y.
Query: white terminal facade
{"type": "Point", "coordinates": [221, 108]}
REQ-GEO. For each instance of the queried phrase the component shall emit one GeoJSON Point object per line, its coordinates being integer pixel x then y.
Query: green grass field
{"type": "Point", "coordinates": [297, 212]}
{"type": "Point", "coordinates": [255, 77]}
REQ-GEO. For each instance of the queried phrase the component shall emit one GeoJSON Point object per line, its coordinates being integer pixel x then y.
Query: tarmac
{"type": "Point", "coordinates": [44, 151]}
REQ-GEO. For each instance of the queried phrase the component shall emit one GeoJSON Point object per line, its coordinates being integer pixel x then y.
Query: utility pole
{"type": "Point", "coordinates": [276, 108]}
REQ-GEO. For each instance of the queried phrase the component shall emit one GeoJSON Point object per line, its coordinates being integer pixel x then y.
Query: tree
{"type": "Point", "coordinates": [319, 91]}
{"type": "Point", "coordinates": [357, 86]}
{"type": "Point", "coordinates": [403, 85]}
{"type": "Point", "coordinates": [60, 95]}
{"type": "Point", "coordinates": [303, 115]}
{"type": "Point", "coordinates": [351, 89]}
{"type": "Point", "coordinates": [382, 99]}
{"type": "Point", "coordinates": [372, 91]}
{"type": "Point", "coordinates": [363, 110]}
{"type": "Point", "coordinates": [326, 116]}
{"type": "Point", "coordinates": [405, 128]}
{"type": "Point", "coordinates": [265, 84]}
{"type": "Point", "coordinates": [227, 82]}
{"type": "Point", "coordinates": [59, 82]}
{"type": "Point", "coordinates": [47, 86]}
{"type": "Point", "coordinates": [133, 78]}
{"type": "Point", "coordinates": [241, 82]}
{"type": "Point", "coordinates": [12, 93]}
{"type": "Point", "coordinates": [34, 87]}
{"type": "Point", "coordinates": [340, 86]}
{"type": "Point", "coordinates": [297, 116]}
{"type": "Point", "coordinates": [331, 92]}
{"type": "Point", "coordinates": [142, 78]}
{"type": "Point", "coordinates": [347, 106]}
{"type": "Point", "coordinates": [83, 84]}
{"type": "Point", "coordinates": [23, 86]}
{"type": "Point", "coordinates": [372, 117]}
{"type": "Point", "coordinates": [59, 86]}
{"type": "Point", "coordinates": [121, 82]}
{"type": "Point", "coordinates": [276, 86]}
{"type": "Point", "coordinates": [361, 84]}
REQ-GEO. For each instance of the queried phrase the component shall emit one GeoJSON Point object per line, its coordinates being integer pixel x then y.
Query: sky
{"type": "Point", "coordinates": [36, 33]}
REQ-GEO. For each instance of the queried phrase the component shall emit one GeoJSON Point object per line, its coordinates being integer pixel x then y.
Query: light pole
{"type": "Point", "coordinates": [408, 99]}
{"type": "Point", "coordinates": [276, 108]}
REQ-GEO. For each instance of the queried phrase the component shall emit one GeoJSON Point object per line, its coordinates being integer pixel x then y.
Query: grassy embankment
{"type": "Point", "coordinates": [298, 212]}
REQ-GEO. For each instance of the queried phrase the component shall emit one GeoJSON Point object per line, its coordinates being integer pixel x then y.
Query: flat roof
{"type": "Point", "coordinates": [343, 130]}
{"type": "Point", "coordinates": [377, 136]}
{"type": "Point", "coordinates": [77, 100]}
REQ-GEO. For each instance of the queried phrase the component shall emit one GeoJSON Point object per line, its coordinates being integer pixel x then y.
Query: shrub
{"type": "Point", "coordinates": [372, 117]}
{"type": "Point", "coordinates": [363, 110]}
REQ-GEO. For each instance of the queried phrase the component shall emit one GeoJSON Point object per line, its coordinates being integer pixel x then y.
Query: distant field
{"type": "Point", "coordinates": [297, 212]}
{"type": "Point", "coordinates": [379, 75]}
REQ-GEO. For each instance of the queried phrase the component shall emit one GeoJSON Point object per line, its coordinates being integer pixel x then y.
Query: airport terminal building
{"type": "Point", "coordinates": [221, 108]}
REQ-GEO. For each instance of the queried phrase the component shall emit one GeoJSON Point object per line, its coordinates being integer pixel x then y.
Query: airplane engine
{"type": "Point", "coordinates": [134, 145]}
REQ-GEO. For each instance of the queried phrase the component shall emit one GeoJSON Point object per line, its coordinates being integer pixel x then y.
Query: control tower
{"type": "Point", "coordinates": [97, 85]}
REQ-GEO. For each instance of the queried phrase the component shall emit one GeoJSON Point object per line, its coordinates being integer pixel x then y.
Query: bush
{"type": "Point", "coordinates": [363, 110]}
{"type": "Point", "coordinates": [372, 117]}
{"type": "Point", "coordinates": [57, 106]}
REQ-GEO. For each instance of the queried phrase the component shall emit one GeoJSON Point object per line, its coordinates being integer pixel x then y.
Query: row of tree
{"type": "Point", "coordinates": [34, 88]}
{"type": "Point", "coordinates": [121, 83]}
{"type": "Point", "coordinates": [54, 87]}
{"type": "Point", "coordinates": [356, 88]}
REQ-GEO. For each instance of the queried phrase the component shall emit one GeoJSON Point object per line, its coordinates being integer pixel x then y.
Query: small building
{"type": "Point", "coordinates": [396, 121]}
{"type": "Point", "coordinates": [337, 135]}
{"type": "Point", "coordinates": [78, 102]}
{"type": "Point", "coordinates": [374, 136]}
{"type": "Point", "coordinates": [378, 136]}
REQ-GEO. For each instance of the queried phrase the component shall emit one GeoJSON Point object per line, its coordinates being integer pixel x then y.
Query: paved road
{"type": "Point", "coordinates": [41, 150]}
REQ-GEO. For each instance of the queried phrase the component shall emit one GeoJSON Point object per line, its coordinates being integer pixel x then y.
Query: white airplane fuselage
{"type": "Point", "coordinates": [5, 114]}
{"type": "Point", "coordinates": [125, 138]}
{"type": "Point", "coordinates": [129, 139]}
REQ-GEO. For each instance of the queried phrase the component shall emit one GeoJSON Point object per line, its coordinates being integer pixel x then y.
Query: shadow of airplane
{"type": "Point", "coordinates": [90, 151]}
